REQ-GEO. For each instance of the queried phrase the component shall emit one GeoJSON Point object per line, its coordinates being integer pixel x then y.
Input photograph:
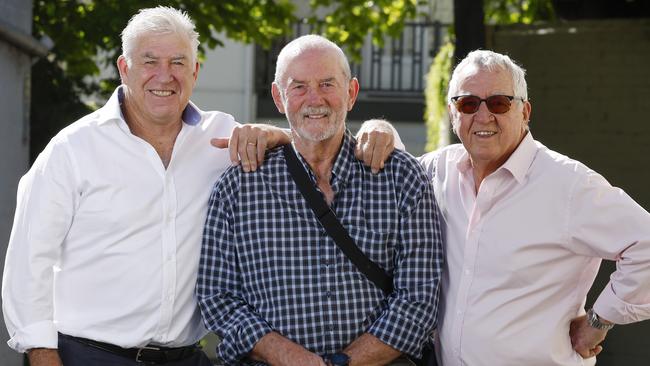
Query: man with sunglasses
{"type": "Point", "coordinates": [526, 230]}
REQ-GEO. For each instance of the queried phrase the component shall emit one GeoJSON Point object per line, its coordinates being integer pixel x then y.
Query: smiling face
{"type": "Point", "coordinates": [489, 138]}
{"type": "Point", "coordinates": [315, 95]}
{"type": "Point", "coordinates": [160, 78]}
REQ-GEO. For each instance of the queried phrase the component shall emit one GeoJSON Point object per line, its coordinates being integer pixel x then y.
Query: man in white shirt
{"type": "Point", "coordinates": [103, 255]}
{"type": "Point", "coordinates": [526, 230]}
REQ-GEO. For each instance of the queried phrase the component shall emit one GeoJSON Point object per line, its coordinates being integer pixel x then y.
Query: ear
{"type": "Point", "coordinates": [195, 73]}
{"type": "Point", "coordinates": [123, 68]}
{"type": "Point", "coordinates": [277, 97]}
{"type": "Point", "coordinates": [528, 108]}
{"type": "Point", "coordinates": [353, 92]}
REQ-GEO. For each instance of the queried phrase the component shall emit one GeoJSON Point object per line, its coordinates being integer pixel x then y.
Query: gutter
{"type": "Point", "coordinates": [21, 40]}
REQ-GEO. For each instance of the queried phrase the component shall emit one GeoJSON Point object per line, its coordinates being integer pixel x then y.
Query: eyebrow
{"type": "Point", "coordinates": [296, 81]}
{"type": "Point", "coordinates": [173, 58]}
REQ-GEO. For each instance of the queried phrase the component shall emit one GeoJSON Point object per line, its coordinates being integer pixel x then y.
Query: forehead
{"type": "Point", "coordinates": [483, 82]}
{"type": "Point", "coordinates": [167, 44]}
{"type": "Point", "coordinates": [314, 64]}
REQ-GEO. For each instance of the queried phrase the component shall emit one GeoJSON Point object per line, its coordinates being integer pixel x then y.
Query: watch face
{"type": "Point", "coordinates": [339, 359]}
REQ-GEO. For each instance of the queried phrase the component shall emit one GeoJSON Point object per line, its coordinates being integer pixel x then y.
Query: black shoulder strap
{"type": "Point", "coordinates": [333, 226]}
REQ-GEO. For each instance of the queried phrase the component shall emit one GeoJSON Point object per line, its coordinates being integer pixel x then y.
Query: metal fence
{"type": "Point", "coordinates": [397, 69]}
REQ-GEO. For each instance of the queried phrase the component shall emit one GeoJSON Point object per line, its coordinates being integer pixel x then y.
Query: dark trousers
{"type": "Point", "coordinates": [73, 353]}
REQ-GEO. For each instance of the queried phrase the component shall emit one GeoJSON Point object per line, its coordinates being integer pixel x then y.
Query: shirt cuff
{"type": "Point", "coordinates": [42, 334]}
{"type": "Point", "coordinates": [241, 341]}
{"type": "Point", "coordinates": [610, 307]}
{"type": "Point", "coordinates": [399, 332]}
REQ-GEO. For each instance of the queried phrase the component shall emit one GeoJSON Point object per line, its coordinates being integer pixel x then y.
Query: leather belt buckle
{"type": "Point", "coordinates": [145, 348]}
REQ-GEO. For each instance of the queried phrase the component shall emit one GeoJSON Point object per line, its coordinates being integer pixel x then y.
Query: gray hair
{"type": "Point", "coordinates": [158, 20]}
{"type": "Point", "coordinates": [491, 61]}
{"type": "Point", "coordinates": [306, 43]}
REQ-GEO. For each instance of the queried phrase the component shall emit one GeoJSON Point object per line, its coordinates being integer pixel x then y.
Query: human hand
{"type": "Point", "coordinates": [44, 357]}
{"type": "Point", "coordinates": [248, 143]}
{"type": "Point", "coordinates": [586, 339]}
{"type": "Point", "coordinates": [276, 350]}
{"type": "Point", "coordinates": [375, 142]}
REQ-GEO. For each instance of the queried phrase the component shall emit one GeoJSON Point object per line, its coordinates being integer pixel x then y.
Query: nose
{"type": "Point", "coordinates": [483, 114]}
{"type": "Point", "coordinates": [313, 96]}
{"type": "Point", "coordinates": [164, 73]}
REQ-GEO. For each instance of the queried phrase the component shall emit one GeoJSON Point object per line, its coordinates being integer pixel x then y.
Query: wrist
{"type": "Point", "coordinates": [597, 322]}
{"type": "Point", "coordinates": [337, 359]}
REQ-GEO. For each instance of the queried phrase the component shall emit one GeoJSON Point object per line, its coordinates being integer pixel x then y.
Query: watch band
{"type": "Point", "coordinates": [594, 321]}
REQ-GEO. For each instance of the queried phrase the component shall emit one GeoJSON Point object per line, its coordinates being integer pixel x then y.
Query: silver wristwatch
{"type": "Point", "coordinates": [594, 321]}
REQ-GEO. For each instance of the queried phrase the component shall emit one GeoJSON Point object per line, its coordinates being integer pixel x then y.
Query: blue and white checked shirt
{"type": "Point", "coordinates": [268, 265]}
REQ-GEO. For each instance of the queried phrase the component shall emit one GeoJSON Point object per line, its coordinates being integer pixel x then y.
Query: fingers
{"type": "Point", "coordinates": [381, 151]}
{"type": "Point", "coordinates": [220, 142]}
{"type": "Point", "coordinates": [358, 149]}
{"type": "Point", "coordinates": [262, 145]}
{"type": "Point", "coordinates": [233, 145]}
{"type": "Point", "coordinates": [248, 143]}
{"type": "Point", "coordinates": [373, 148]}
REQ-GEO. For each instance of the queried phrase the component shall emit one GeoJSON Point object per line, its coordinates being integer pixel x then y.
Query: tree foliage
{"type": "Point", "coordinates": [496, 12]}
{"type": "Point", "coordinates": [518, 11]}
{"type": "Point", "coordinates": [86, 38]}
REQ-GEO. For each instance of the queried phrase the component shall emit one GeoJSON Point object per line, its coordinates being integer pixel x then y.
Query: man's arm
{"type": "Point", "coordinates": [249, 142]}
{"type": "Point", "coordinates": [44, 357]}
{"type": "Point", "coordinates": [376, 140]}
{"type": "Point", "coordinates": [410, 316]}
{"type": "Point", "coordinates": [368, 350]}
{"type": "Point", "coordinates": [274, 349]}
{"type": "Point", "coordinates": [586, 339]}
{"type": "Point", "coordinates": [621, 235]}
{"type": "Point", "coordinates": [44, 212]}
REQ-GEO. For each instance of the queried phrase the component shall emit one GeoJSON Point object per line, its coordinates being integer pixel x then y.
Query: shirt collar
{"type": "Point", "coordinates": [342, 164]}
{"type": "Point", "coordinates": [517, 164]}
{"type": "Point", "coordinates": [112, 111]}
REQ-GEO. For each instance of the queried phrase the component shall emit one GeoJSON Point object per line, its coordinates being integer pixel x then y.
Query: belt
{"type": "Point", "coordinates": [148, 354]}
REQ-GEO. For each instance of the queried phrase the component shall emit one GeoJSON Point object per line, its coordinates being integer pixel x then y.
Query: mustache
{"type": "Point", "coordinates": [315, 110]}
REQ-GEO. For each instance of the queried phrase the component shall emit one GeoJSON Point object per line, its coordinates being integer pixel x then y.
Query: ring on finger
{"type": "Point", "coordinates": [251, 143]}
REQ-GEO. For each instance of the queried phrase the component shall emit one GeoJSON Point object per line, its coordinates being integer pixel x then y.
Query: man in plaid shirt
{"type": "Point", "coordinates": [272, 284]}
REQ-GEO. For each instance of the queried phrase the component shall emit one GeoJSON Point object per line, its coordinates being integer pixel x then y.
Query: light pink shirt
{"type": "Point", "coordinates": [522, 254]}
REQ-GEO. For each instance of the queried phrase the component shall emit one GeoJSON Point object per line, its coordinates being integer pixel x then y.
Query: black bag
{"type": "Point", "coordinates": [335, 229]}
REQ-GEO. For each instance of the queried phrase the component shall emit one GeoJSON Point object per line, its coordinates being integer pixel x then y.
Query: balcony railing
{"type": "Point", "coordinates": [396, 70]}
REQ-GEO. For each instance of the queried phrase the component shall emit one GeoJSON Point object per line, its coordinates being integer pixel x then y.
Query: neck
{"type": "Point", "coordinates": [161, 136]}
{"type": "Point", "coordinates": [480, 171]}
{"type": "Point", "coordinates": [320, 156]}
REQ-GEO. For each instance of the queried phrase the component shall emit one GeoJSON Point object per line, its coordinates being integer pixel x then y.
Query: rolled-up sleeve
{"type": "Point", "coordinates": [44, 211]}
{"type": "Point", "coordinates": [218, 289]}
{"type": "Point", "coordinates": [412, 309]}
{"type": "Point", "coordinates": [606, 223]}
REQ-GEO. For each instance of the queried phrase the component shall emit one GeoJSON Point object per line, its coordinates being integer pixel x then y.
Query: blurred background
{"type": "Point", "coordinates": [587, 65]}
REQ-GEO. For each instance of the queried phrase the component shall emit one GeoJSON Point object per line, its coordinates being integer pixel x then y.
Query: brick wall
{"type": "Point", "coordinates": [589, 84]}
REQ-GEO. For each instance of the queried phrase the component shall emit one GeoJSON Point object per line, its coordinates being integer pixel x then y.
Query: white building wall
{"type": "Point", "coordinates": [14, 143]}
{"type": "Point", "coordinates": [226, 82]}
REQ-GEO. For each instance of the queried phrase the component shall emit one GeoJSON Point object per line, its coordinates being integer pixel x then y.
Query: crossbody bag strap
{"type": "Point", "coordinates": [333, 226]}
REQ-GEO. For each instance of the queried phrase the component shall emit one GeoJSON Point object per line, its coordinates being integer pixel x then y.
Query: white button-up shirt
{"type": "Point", "coordinates": [522, 253]}
{"type": "Point", "coordinates": [105, 243]}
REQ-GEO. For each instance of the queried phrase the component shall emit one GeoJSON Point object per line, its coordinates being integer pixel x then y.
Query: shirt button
{"type": "Point", "coordinates": [459, 312]}
{"type": "Point", "coordinates": [468, 272]}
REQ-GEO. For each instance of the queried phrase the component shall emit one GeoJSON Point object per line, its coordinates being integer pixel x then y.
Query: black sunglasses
{"type": "Point", "coordinates": [497, 104]}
